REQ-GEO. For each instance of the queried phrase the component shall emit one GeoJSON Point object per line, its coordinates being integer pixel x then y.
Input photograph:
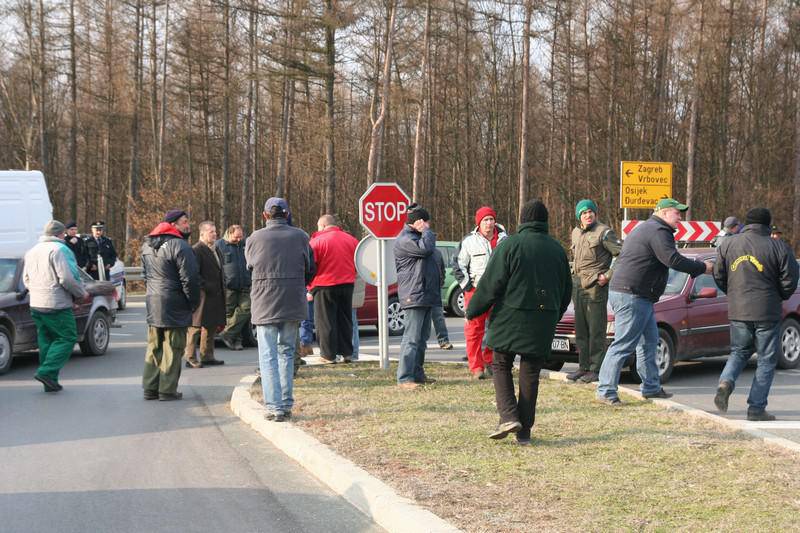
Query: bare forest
{"type": "Point", "coordinates": [131, 107]}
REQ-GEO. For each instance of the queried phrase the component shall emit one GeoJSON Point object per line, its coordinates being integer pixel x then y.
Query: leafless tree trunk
{"type": "Point", "coordinates": [247, 177]}
{"type": "Point", "coordinates": [75, 187]}
{"type": "Point", "coordinates": [695, 109]}
{"type": "Point", "coordinates": [330, 79]}
{"type": "Point", "coordinates": [523, 136]}
{"type": "Point", "coordinates": [162, 121]}
{"type": "Point", "coordinates": [376, 138]}
{"type": "Point", "coordinates": [135, 169]}
{"type": "Point", "coordinates": [226, 149]}
{"type": "Point", "coordinates": [416, 187]}
{"type": "Point", "coordinates": [43, 137]}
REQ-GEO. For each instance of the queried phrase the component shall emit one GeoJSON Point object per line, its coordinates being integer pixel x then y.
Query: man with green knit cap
{"type": "Point", "coordinates": [594, 245]}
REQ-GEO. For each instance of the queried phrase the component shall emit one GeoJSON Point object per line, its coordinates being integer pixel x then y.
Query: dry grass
{"type": "Point", "coordinates": [591, 467]}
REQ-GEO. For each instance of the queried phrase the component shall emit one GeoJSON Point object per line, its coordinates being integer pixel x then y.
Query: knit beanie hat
{"type": "Point", "coordinates": [484, 212]}
{"type": "Point", "coordinates": [583, 205]}
{"type": "Point", "coordinates": [173, 215]}
{"type": "Point", "coordinates": [417, 212]}
{"type": "Point", "coordinates": [533, 211]}
{"type": "Point", "coordinates": [758, 215]}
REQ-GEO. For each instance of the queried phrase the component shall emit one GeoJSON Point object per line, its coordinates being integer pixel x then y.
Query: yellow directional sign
{"type": "Point", "coordinates": [643, 183]}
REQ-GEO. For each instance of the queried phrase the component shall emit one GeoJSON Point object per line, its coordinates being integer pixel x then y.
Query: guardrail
{"type": "Point", "coordinates": [133, 273]}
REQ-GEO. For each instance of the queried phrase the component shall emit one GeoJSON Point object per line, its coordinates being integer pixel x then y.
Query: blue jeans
{"type": "Point", "coordinates": [412, 348]}
{"type": "Point", "coordinates": [747, 337]}
{"type": "Point", "coordinates": [307, 327]}
{"type": "Point", "coordinates": [355, 335]}
{"type": "Point", "coordinates": [276, 347]}
{"type": "Point", "coordinates": [439, 325]}
{"type": "Point", "coordinates": [635, 328]}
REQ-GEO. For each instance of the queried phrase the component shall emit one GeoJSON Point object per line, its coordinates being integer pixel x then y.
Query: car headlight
{"type": "Point", "coordinates": [610, 327]}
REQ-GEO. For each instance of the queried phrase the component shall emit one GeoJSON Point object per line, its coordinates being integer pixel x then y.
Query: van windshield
{"type": "Point", "coordinates": [8, 267]}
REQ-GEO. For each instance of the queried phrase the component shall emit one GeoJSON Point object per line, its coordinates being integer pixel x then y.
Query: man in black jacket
{"type": "Point", "coordinates": [757, 273]}
{"type": "Point", "coordinates": [76, 244]}
{"type": "Point", "coordinates": [100, 245]}
{"type": "Point", "coordinates": [173, 294]}
{"type": "Point", "coordinates": [640, 277]}
{"type": "Point", "coordinates": [237, 286]}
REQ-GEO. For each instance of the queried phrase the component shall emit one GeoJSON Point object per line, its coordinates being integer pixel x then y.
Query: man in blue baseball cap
{"type": "Point", "coordinates": [594, 246]}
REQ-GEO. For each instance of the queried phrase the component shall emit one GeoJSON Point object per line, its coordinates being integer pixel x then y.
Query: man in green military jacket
{"type": "Point", "coordinates": [594, 246]}
{"type": "Point", "coordinates": [528, 286]}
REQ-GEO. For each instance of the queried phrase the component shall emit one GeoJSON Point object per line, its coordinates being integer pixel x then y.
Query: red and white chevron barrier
{"type": "Point", "coordinates": [691, 231]}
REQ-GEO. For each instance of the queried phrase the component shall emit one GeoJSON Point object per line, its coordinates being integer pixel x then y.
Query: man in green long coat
{"type": "Point", "coordinates": [529, 284]}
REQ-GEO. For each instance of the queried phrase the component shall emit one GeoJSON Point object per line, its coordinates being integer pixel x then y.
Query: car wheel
{"type": "Point", "coordinates": [6, 350]}
{"type": "Point", "coordinates": [97, 335]}
{"type": "Point", "coordinates": [396, 317]}
{"type": "Point", "coordinates": [123, 296]}
{"type": "Point", "coordinates": [249, 337]}
{"type": "Point", "coordinates": [789, 356]}
{"type": "Point", "coordinates": [665, 358]}
{"type": "Point", "coordinates": [457, 302]}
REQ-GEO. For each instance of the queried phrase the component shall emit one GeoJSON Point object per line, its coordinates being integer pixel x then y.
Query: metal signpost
{"type": "Point", "coordinates": [382, 212]}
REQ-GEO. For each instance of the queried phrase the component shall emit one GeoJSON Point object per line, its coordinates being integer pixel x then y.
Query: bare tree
{"type": "Point", "coordinates": [376, 139]}
{"type": "Point", "coordinates": [523, 136]}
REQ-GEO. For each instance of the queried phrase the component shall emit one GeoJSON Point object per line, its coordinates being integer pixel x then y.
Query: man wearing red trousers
{"type": "Point", "coordinates": [473, 256]}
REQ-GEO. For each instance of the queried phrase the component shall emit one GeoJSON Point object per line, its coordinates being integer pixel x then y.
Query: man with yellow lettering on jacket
{"type": "Point", "coordinates": [757, 273]}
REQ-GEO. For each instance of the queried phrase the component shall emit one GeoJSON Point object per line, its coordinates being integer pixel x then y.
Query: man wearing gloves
{"type": "Point", "coordinates": [594, 246]}
{"type": "Point", "coordinates": [51, 275]}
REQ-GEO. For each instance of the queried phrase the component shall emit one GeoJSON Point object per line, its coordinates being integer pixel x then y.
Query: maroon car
{"type": "Point", "coordinates": [368, 313]}
{"type": "Point", "coordinates": [692, 318]}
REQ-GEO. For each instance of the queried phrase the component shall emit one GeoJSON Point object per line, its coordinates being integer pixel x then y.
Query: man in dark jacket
{"type": "Point", "coordinates": [278, 256]}
{"type": "Point", "coordinates": [210, 314]}
{"type": "Point", "coordinates": [640, 277]}
{"type": "Point", "coordinates": [757, 273]}
{"type": "Point", "coordinates": [100, 245]}
{"type": "Point", "coordinates": [528, 286]}
{"type": "Point", "coordinates": [237, 286]}
{"type": "Point", "coordinates": [418, 289]}
{"type": "Point", "coordinates": [173, 293]}
{"type": "Point", "coordinates": [76, 244]}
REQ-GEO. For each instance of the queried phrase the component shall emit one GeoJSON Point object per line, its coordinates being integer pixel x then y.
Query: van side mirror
{"type": "Point", "coordinates": [706, 292]}
{"type": "Point", "coordinates": [22, 294]}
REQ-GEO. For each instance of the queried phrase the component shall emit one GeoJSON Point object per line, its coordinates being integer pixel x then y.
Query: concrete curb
{"type": "Point", "coordinates": [368, 494]}
{"type": "Point", "coordinates": [736, 425]}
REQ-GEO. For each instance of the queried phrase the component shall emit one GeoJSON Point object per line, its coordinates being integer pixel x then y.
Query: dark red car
{"type": "Point", "coordinates": [692, 318]}
{"type": "Point", "coordinates": [368, 313]}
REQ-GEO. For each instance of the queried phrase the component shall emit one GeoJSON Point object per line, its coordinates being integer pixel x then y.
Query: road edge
{"type": "Point", "coordinates": [736, 425]}
{"type": "Point", "coordinates": [365, 492]}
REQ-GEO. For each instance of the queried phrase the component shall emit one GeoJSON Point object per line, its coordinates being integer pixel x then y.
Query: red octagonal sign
{"type": "Point", "coordinates": [382, 210]}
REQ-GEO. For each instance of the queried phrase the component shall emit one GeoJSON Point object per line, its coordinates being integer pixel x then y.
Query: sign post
{"type": "Point", "coordinates": [382, 212]}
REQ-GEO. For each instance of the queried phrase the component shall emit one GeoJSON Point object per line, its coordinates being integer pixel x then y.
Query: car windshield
{"type": "Point", "coordinates": [675, 282]}
{"type": "Point", "coordinates": [8, 267]}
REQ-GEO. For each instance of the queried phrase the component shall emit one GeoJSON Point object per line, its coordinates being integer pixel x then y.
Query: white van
{"type": "Point", "coordinates": [24, 210]}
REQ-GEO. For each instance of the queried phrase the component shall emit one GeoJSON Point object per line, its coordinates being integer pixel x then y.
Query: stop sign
{"type": "Point", "coordinates": [382, 210]}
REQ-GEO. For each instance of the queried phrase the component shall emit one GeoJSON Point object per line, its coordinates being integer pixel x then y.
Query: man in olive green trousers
{"type": "Point", "coordinates": [173, 293]}
{"type": "Point", "coordinates": [594, 246]}
{"type": "Point", "coordinates": [52, 278]}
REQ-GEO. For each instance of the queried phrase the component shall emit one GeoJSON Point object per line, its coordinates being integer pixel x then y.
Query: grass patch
{"type": "Point", "coordinates": [591, 466]}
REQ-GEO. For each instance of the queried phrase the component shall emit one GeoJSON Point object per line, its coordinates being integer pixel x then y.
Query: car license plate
{"type": "Point", "coordinates": [560, 345]}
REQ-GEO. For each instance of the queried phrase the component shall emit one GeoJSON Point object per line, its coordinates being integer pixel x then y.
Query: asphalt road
{"type": "Point", "coordinates": [694, 383]}
{"type": "Point", "coordinates": [97, 457]}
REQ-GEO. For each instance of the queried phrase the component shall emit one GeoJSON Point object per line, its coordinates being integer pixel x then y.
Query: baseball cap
{"type": "Point", "coordinates": [665, 203]}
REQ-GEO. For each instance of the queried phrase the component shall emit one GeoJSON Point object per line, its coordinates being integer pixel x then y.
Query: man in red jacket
{"type": "Point", "coordinates": [332, 288]}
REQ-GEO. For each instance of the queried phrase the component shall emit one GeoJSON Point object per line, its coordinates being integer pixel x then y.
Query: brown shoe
{"type": "Point", "coordinates": [409, 385]}
{"type": "Point", "coordinates": [326, 361]}
{"type": "Point", "coordinates": [306, 349]}
{"type": "Point", "coordinates": [193, 363]}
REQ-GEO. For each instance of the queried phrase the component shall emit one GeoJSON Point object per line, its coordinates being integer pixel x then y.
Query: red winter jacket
{"type": "Point", "coordinates": [333, 253]}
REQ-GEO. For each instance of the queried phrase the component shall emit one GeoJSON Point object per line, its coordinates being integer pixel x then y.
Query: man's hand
{"type": "Point", "coordinates": [420, 225]}
{"type": "Point", "coordinates": [709, 267]}
{"type": "Point", "coordinates": [309, 297]}
{"type": "Point", "coordinates": [602, 279]}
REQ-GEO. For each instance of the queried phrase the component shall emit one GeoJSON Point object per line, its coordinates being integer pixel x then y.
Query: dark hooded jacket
{"type": "Point", "coordinates": [757, 272]}
{"type": "Point", "coordinates": [418, 276]}
{"type": "Point", "coordinates": [171, 277]}
{"type": "Point", "coordinates": [234, 265]}
{"type": "Point", "coordinates": [528, 286]}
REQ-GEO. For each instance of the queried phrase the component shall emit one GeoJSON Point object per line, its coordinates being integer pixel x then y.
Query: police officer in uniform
{"type": "Point", "coordinates": [99, 244]}
{"type": "Point", "coordinates": [594, 245]}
